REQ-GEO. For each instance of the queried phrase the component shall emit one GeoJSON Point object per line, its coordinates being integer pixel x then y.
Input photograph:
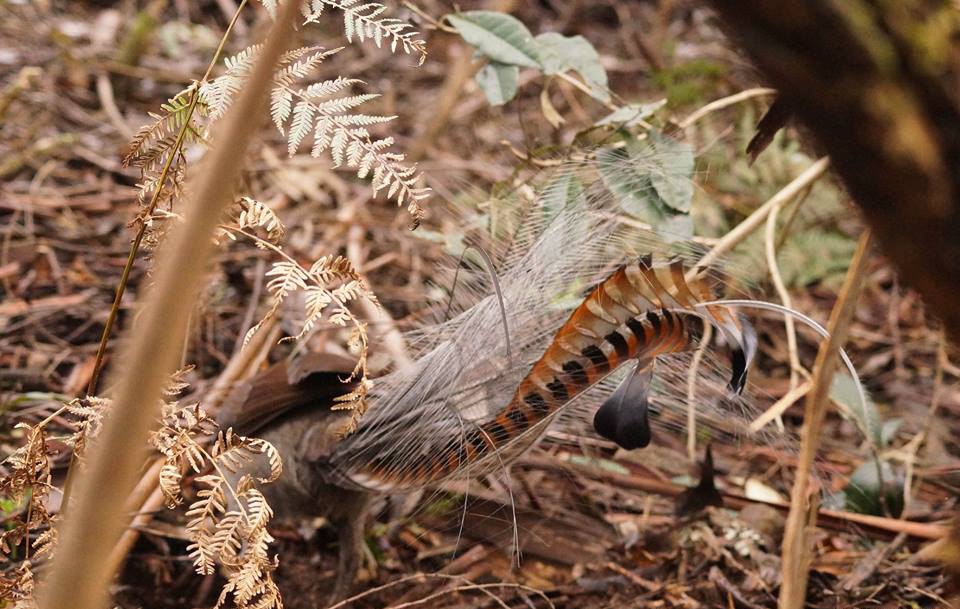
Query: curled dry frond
{"type": "Point", "coordinates": [247, 214]}
{"type": "Point", "coordinates": [89, 412]}
{"type": "Point", "coordinates": [227, 521]}
{"type": "Point", "coordinates": [18, 586]}
{"type": "Point", "coordinates": [25, 488]}
{"type": "Point", "coordinates": [254, 214]}
{"type": "Point", "coordinates": [322, 299]}
{"type": "Point", "coordinates": [233, 452]}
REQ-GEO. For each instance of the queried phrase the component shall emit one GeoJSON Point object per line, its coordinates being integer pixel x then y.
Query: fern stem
{"type": "Point", "coordinates": [137, 240]}
{"type": "Point", "coordinates": [154, 199]}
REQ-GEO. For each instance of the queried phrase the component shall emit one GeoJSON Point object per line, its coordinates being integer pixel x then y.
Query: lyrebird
{"type": "Point", "coordinates": [469, 405]}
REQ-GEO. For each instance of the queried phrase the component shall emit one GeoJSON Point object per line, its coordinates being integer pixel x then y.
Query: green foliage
{"type": "Point", "coordinates": [874, 488]}
{"type": "Point", "coordinates": [631, 115]}
{"type": "Point", "coordinates": [814, 255]}
{"type": "Point", "coordinates": [812, 246]}
{"type": "Point", "coordinates": [564, 190]}
{"type": "Point", "coordinates": [501, 37]}
{"type": "Point", "coordinates": [689, 82]}
{"type": "Point", "coordinates": [498, 81]}
{"type": "Point", "coordinates": [843, 391]}
{"type": "Point", "coordinates": [509, 45]}
{"type": "Point", "coordinates": [560, 54]}
{"type": "Point", "coordinates": [651, 180]}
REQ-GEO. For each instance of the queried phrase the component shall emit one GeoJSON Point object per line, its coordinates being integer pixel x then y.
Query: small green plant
{"type": "Point", "coordinates": [509, 46]}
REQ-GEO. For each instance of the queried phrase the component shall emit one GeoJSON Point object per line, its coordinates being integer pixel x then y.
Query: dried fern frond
{"type": "Point", "coordinates": [316, 112]}
{"type": "Point", "coordinates": [227, 522]}
{"type": "Point", "coordinates": [26, 484]}
{"type": "Point", "coordinates": [364, 22]}
{"type": "Point", "coordinates": [153, 142]}
{"type": "Point", "coordinates": [89, 412]}
{"type": "Point", "coordinates": [18, 587]}
{"type": "Point", "coordinates": [323, 111]}
{"type": "Point", "coordinates": [322, 297]}
{"type": "Point", "coordinates": [157, 149]}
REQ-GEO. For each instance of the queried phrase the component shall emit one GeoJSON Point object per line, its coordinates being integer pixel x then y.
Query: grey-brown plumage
{"type": "Point", "coordinates": [289, 406]}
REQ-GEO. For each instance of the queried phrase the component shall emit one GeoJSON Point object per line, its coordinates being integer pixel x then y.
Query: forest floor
{"type": "Point", "coordinates": [597, 527]}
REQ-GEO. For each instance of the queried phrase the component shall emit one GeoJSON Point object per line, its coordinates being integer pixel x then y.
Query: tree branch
{"type": "Point", "coordinates": [876, 83]}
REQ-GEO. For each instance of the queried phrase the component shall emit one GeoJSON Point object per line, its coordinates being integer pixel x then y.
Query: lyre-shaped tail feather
{"type": "Point", "coordinates": [462, 408]}
{"type": "Point", "coordinates": [640, 312]}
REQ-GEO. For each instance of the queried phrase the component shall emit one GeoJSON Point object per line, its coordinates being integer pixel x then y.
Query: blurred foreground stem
{"type": "Point", "coordinates": [79, 574]}
{"type": "Point", "coordinates": [137, 240]}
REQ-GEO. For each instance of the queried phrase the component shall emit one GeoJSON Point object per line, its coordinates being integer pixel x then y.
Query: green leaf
{"type": "Point", "coordinates": [498, 81]}
{"type": "Point", "coordinates": [631, 187]}
{"type": "Point", "coordinates": [631, 114]}
{"type": "Point", "coordinates": [453, 242]}
{"type": "Point", "coordinates": [672, 175]}
{"type": "Point", "coordinates": [559, 53]}
{"type": "Point", "coordinates": [843, 391]}
{"type": "Point", "coordinates": [501, 37]}
{"type": "Point", "coordinates": [629, 174]}
{"type": "Point", "coordinates": [564, 190]}
{"type": "Point", "coordinates": [889, 431]}
{"type": "Point", "coordinates": [864, 491]}
{"type": "Point", "coordinates": [676, 227]}
{"type": "Point", "coordinates": [815, 255]}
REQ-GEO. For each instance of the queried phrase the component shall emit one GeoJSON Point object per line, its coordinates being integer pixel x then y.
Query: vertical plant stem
{"type": "Point", "coordinates": [692, 392]}
{"type": "Point", "coordinates": [803, 504]}
{"type": "Point", "coordinates": [154, 199]}
{"type": "Point", "coordinates": [79, 576]}
{"type": "Point", "coordinates": [135, 247]}
{"type": "Point", "coordinates": [776, 277]}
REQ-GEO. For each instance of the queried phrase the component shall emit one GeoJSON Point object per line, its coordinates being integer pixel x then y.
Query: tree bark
{"type": "Point", "coordinates": [877, 82]}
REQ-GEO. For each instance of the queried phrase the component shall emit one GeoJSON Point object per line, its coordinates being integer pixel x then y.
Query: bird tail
{"type": "Point", "coordinates": [482, 391]}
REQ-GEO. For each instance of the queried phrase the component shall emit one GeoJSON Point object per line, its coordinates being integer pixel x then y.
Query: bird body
{"type": "Point", "coordinates": [623, 318]}
{"type": "Point", "coordinates": [578, 294]}
{"type": "Point", "coordinates": [290, 407]}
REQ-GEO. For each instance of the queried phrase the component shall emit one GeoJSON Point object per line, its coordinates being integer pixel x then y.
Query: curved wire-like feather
{"type": "Point", "coordinates": [463, 409]}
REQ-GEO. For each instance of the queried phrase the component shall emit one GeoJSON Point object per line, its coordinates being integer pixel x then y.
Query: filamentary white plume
{"type": "Point", "coordinates": [569, 239]}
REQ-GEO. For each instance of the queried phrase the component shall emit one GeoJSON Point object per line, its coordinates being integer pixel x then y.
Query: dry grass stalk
{"type": "Point", "coordinates": [803, 505]}
{"type": "Point", "coordinates": [759, 215]}
{"type": "Point", "coordinates": [79, 575]}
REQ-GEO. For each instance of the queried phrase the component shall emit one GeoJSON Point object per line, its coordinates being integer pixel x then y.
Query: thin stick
{"type": "Point", "coordinates": [79, 575]}
{"type": "Point", "coordinates": [770, 241]}
{"type": "Point", "coordinates": [912, 447]}
{"type": "Point", "coordinates": [920, 530]}
{"type": "Point", "coordinates": [723, 102]}
{"type": "Point", "coordinates": [390, 336]}
{"type": "Point", "coordinates": [759, 215]}
{"type": "Point", "coordinates": [692, 391]}
{"type": "Point", "coordinates": [154, 199]}
{"type": "Point", "coordinates": [779, 407]}
{"type": "Point", "coordinates": [803, 506]}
